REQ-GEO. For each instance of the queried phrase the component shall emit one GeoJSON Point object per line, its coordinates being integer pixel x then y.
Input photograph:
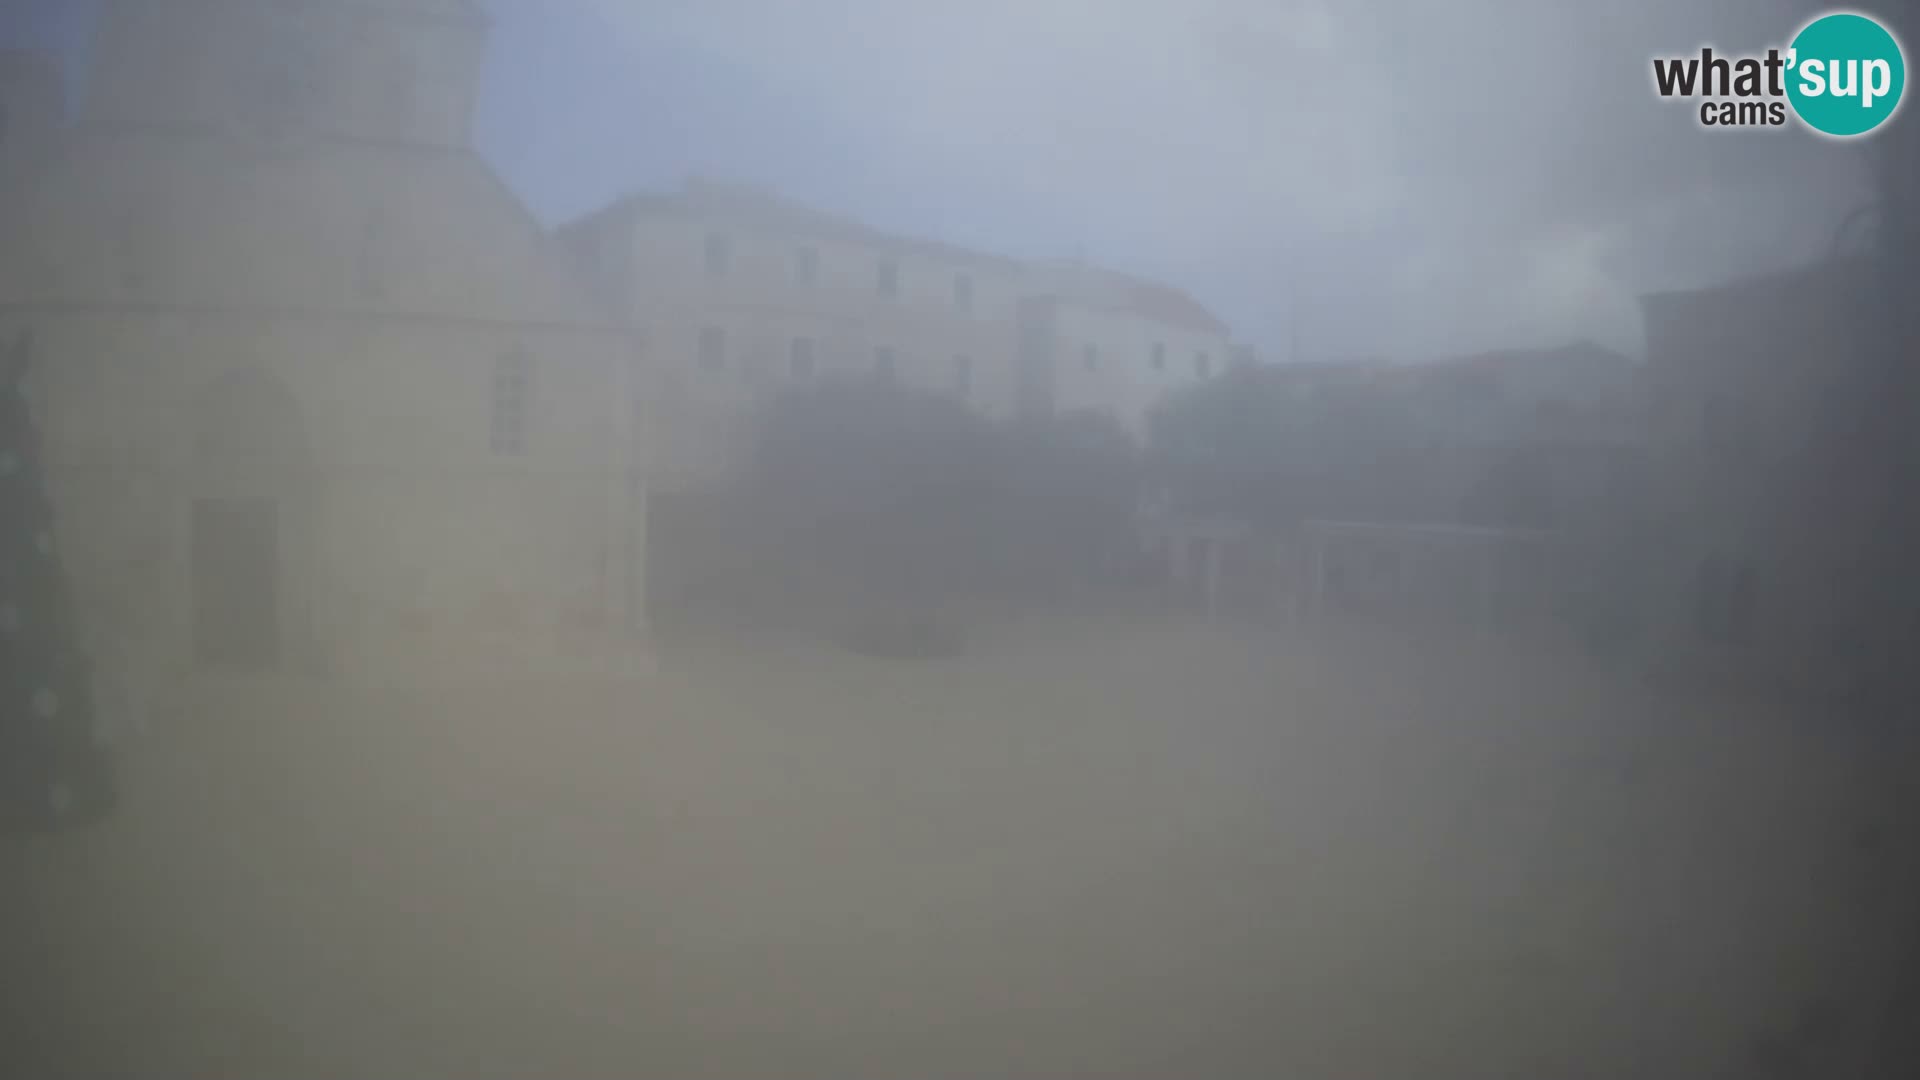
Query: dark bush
{"type": "Point", "coordinates": [901, 515]}
{"type": "Point", "coordinates": [905, 636]}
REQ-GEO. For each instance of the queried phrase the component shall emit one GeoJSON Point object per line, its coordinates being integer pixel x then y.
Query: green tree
{"type": "Point", "coordinates": [904, 513]}
{"type": "Point", "coordinates": [1064, 501]}
{"type": "Point", "coordinates": [52, 773]}
{"type": "Point", "coordinates": [1887, 428]}
{"type": "Point", "coordinates": [1274, 445]}
{"type": "Point", "coordinates": [878, 494]}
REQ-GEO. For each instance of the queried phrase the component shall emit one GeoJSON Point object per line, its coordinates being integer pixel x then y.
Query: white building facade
{"type": "Point", "coordinates": [738, 294]}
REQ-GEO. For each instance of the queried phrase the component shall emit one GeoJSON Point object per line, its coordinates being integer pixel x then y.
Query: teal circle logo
{"type": "Point", "coordinates": [1845, 74]}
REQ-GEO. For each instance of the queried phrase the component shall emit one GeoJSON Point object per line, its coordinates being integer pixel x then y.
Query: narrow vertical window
{"type": "Point", "coordinates": [512, 389]}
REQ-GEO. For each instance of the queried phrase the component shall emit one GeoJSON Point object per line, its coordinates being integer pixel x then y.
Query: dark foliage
{"type": "Point", "coordinates": [901, 514]}
{"type": "Point", "coordinates": [51, 771]}
{"type": "Point", "coordinates": [1262, 446]}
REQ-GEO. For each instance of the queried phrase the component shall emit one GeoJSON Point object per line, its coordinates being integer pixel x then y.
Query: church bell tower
{"type": "Point", "coordinates": [394, 71]}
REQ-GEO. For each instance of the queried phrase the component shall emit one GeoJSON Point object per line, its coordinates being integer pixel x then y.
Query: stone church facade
{"type": "Point", "coordinates": [316, 395]}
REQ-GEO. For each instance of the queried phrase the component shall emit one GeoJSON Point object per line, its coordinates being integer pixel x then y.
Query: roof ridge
{"type": "Point", "coordinates": [747, 195]}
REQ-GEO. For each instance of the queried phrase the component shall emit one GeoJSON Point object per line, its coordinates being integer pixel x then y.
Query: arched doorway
{"type": "Point", "coordinates": [247, 521]}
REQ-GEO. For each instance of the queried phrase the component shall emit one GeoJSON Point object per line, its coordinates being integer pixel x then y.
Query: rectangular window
{"type": "Point", "coordinates": [1714, 428]}
{"type": "Point", "coordinates": [800, 358]}
{"type": "Point", "coordinates": [1090, 358]}
{"type": "Point", "coordinates": [719, 254]}
{"type": "Point", "coordinates": [1159, 356]}
{"type": "Point", "coordinates": [1739, 614]}
{"type": "Point", "coordinates": [1202, 365]}
{"type": "Point", "coordinates": [713, 348]}
{"type": "Point", "coordinates": [402, 91]}
{"type": "Point", "coordinates": [889, 282]}
{"type": "Point", "coordinates": [1724, 601]}
{"type": "Point", "coordinates": [963, 293]}
{"type": "Point", "coordinates": [512, 387]}
{"type": "Point", "coordinates": [366, 263]}
{"type": "Point", "coordinates": [883, 362]}
{"type": "Point", "coordinates": [963, 375]}
{"type": "Point", "coordinates": [806, 265]}
{"type": "Point", "coordinates": [127, 251]}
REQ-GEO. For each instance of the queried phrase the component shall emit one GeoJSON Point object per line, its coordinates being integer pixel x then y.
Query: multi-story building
{"type": "Point", "coordinates": [737, 293]}
{"type": "Point", "coordinates": [735, 296]}
{"type": "Point", "coordinates": [1093, 340]}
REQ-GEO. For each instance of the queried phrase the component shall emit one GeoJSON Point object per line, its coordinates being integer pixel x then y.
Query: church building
{"type": "Point", "coordinates": [316, 395]}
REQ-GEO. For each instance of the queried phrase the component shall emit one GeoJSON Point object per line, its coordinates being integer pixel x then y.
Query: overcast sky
{"type": "Point", "coordinates": [1414, 178]}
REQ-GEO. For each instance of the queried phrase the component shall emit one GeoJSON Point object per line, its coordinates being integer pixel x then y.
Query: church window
{"type": "Point", "coordinates": [512, 389]}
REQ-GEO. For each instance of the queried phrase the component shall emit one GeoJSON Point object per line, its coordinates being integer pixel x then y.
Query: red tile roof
{"type": "Point", "coordinates": [1073, 282]}
{"type": "Point", "coordinates": [1174, 306]}
{"type": "Point", "coordinates": [1100, 287]}
{"type": "Point", "coordinates": [743, 202]}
